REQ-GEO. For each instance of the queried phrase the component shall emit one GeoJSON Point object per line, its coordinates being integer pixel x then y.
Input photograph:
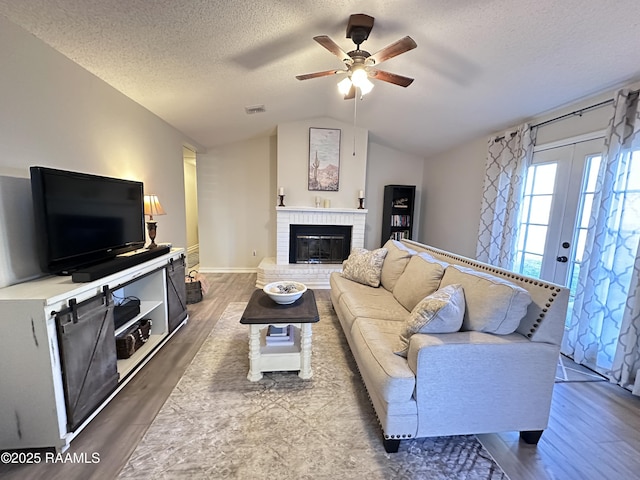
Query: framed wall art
{"type": "Point", "coordinates": [324, 159]}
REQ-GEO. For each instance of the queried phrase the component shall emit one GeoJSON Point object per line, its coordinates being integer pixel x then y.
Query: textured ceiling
{"type": "Point", "coordinates": [480, 65]}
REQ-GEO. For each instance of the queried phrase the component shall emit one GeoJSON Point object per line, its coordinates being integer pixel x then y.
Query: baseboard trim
{"type": "Point", "coordinates": [227, 270]}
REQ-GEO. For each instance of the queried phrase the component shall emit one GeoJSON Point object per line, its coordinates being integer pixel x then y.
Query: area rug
{"type": "Point", "coordinates": [217, 424]}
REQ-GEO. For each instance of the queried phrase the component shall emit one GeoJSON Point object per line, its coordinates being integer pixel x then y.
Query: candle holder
{"type": "Point", "coordinates": [281, 204]}
{"type": "Point", "coordinates": [361, 201]}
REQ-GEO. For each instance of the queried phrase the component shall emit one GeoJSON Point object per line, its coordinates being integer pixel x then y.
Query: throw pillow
{"type": "Point", "coordinates": [394, 263]}
{"type": "Point", "coordinates": [364, 266]}
{"type": "Point", "coordinates": [420, 278]}
{"type": "Point", "coordinates": [494, 305]}
{"type": "Point", "coordinates": [440, 312]}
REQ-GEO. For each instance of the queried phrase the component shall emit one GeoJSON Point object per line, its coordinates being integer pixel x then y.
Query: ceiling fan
{"type": "Point", "coordinates": [360, 63]}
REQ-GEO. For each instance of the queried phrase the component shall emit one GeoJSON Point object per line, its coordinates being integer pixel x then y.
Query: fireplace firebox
{"type": "Point", "coordinates": [319, 243]}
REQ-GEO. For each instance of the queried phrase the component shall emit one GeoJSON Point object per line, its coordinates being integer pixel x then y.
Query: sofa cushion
{"type": "Point", "coordinates": [374, 303]}
{"type": "Point", "coordinates": [387, 374]}
{"type": "Point", "coordinates": [364, 266]}
{"type": "Point", "coordinates": [394, 263]}
{"type": "Point", "coordinates": [440, 312]}
{"type": "Point", "coordinates": [494, 305]}
{"type": "Point", "coordinates": [420, 278]}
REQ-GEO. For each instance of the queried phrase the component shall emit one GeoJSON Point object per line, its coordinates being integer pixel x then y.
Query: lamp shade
{"type": "Point", "coordinates": [152, 206]}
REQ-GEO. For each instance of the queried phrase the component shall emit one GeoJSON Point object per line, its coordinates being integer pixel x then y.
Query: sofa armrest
{"type": "Point", "coordinates": [474, 382]}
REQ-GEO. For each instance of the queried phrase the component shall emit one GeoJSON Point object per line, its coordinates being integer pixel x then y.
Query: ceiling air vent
{"type": "Point", "coordinates": [254, 109]}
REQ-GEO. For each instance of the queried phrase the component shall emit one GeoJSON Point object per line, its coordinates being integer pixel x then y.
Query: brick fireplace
{"type": "Point", "coordinates": [314, 275]}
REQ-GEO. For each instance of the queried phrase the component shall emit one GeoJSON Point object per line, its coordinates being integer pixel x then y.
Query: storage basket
{"type": "Point", "coordinates": [133, 338]}
{"type": "Point", "coordinates": [194, 288]}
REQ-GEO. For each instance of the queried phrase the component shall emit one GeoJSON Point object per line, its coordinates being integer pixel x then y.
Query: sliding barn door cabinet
{"type": "Point", "coordinates": [58, 353]}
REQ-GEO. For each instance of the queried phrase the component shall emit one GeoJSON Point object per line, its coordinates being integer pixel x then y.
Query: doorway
{"type": "Point", "coordinates": [556, 208]}
{"type": "Point", "coordinates": [191, 208]}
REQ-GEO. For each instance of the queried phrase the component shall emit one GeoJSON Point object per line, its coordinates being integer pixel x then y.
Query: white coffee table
{"type": "Point", "coordinates": [261, 312]}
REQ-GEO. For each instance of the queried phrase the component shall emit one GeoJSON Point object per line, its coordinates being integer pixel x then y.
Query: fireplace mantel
{"type": "Point", "coordinates": [362, 211]}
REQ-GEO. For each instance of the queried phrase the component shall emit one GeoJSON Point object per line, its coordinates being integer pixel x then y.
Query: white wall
{"type": "Point", "coordinates": [452, 192]}
{"type": "Point", "coordinates": [293, 163]}
{"type": "Point", "coordinates": [236, 205]}
{"type": "Point", "coordinates": [54, 113]}
{"type": "Point", "coordinates": [387, 166]}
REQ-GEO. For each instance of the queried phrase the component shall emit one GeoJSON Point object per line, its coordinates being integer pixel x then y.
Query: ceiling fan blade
{"type": "Point", "coordinates": [333, 47]}
{"type": "Point", "coordinates": [391, 77]}
{"type": "Point", "coordinates": [351, 94]}
{"type": "Point", "coordinates": [326, 73]}
{"type": "Point", "coordinates": [403, 45]}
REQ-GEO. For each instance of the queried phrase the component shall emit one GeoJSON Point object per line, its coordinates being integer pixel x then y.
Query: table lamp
{"type": "Point", "coordinates": [152, 207]}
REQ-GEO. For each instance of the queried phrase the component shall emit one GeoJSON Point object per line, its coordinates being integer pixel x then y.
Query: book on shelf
{"type": "Point", "coordinates": [282, 336]}
{"type": "Point", "coordinates": [274, 331]}
{"type": "Point", "coordinates": [399, 235]}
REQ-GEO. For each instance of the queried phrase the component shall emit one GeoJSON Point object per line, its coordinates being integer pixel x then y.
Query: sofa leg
{"type": "Point", "coordinates": [391, 445]}
{"type": "Point", "coordinates": [531, 437]}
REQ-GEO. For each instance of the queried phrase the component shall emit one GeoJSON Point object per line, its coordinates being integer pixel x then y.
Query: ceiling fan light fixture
{"type": "Point", "coordinates": [344, 86]}
{"type": "Point", "coordinates": [365, 86]}
{"type": "Point", "coordinates": [359, 77]}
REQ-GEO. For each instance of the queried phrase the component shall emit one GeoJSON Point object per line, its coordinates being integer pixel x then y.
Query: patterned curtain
{"type": "Point", "coordinates": [604, 331]}
{"type": "Point", "coordinates": [508, 158]}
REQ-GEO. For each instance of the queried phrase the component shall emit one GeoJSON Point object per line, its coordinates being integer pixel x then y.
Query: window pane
{"type": "Point", "coordinates": [544, 179]}
{"type": "Point", "coordinates": [573, 284]}
{"type": "Point", "coordinates": [586, 210]}
{"type": "Point", "coordinates": [540, 209]}
{"type": "Point", "coordinates": [529, 185]}
{"type": "Point", "coordinates": [594, 167]}
{"type": "Point", "coordinates": [518, 264]}
{"type": "Point", "coordinates": [536, 237]}
{"type": "Point", "coordinates": [521, 236]}
{"type": "Point", "coordinates": [634, 171]}
{"type": "Point", "coordinates": [532, 265]}
{"type": "Point", "coordinates": [526, 203]}
{"type": "Point", "coordinates": [630, 213]}
{"type": "Point", "coordinates": [582, 239]}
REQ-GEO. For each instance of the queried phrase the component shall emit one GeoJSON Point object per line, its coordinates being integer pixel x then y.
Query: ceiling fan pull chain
{"type": "Point", "coordinates": [355, 105]}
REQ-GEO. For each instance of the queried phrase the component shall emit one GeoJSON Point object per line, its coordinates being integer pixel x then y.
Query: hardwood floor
{"type": "Point", "coordinates": [594, 430]}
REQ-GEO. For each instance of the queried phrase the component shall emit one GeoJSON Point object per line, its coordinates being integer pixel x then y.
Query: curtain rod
{"type": "Point", "coordinates": [574, 113]}
{"type": "Point", "coordinates": [571, 114]}
{"type": "Point", "coordinates": [580, 111]}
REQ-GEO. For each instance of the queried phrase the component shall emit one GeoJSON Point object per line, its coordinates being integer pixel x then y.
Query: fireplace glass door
{"type": "Point", "coordinates": [319, 243]}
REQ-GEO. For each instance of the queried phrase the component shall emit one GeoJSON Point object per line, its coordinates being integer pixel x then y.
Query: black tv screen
{"type": "Point", "coordinates": [83, 219]}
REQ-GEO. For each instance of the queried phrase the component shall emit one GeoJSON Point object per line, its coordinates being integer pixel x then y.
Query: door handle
{"type": "Point", "coordinates": [562, 259]}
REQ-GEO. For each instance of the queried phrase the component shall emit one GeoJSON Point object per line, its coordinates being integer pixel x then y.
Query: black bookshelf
{"type": "Point", "coordinates": [397, 212]}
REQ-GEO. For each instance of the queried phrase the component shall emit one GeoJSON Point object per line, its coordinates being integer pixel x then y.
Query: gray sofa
{"type": "Point", "coordinates": [493, 374]}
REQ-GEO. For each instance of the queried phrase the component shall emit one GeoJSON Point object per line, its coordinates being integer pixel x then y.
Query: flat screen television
{"type": "Point", "coordinates": [83, 219]}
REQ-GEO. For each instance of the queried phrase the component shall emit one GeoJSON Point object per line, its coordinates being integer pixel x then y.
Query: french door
{"type": "Point", "coordinates": [556, 209]}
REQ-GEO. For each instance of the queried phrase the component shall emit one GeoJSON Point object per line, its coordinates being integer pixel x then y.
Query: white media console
{"type": "Point", "coordinates": [57, 347]}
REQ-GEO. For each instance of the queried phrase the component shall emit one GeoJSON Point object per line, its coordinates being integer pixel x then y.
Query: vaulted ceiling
{"type": "Point", "coordinates": [480, 65]}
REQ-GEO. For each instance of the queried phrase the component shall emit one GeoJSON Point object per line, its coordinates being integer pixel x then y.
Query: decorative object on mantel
{"type": "Point", "coordinates": [361, 200]}
{"type": "Point", "coordinates": [152, 207]}
{"type": "Point", "coordinates": [281, 195]}
{"type": "Point", "coordinates": [317, 202]}
{"type": "Point", "coordinates": [327, 203]}
{"type": "Point", "coordinates": [324, 159]}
